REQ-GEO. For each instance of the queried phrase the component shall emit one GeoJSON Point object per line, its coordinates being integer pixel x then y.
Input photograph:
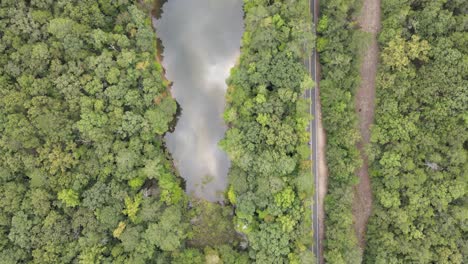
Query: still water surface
{"type": "Point", "coordinates": [201, 40]}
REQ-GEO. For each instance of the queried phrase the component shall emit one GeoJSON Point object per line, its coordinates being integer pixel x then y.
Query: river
{"type": "Point", "coordinates": [201, 40]}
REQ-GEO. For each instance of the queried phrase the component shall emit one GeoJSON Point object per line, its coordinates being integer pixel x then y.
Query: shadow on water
{"type": "Point", "coordinates": [174, 121]}
{"type": "Point", "coordinates": [157, 8]}
{"type": "Point", "coordinates": [156, 13]}
{"type": "Point", "coordinates": [201, 42]}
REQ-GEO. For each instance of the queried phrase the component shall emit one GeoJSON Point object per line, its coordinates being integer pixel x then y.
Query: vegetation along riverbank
{"type": "Point", "coordinates": [270, 176]}
{"type": "Point", "coordinates": [85, 176]}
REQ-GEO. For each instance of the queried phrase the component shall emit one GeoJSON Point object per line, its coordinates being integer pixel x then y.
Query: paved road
{"type": "Point", "coordinates": [312, 93]}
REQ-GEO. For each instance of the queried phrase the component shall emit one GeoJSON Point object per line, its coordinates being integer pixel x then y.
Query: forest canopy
{"type": "Point", "coordinates": [420, 140]}
{"type": "Point", "coordinates": [83, 173]}
{"type": "Point", "coordinates": [339, 43]}
{"type": "Point", "coordinates": [267, 115]}
{"type": "Point", "coordinates": [418, 152]}
{"type": "Point", "coordinates": [84, 106]}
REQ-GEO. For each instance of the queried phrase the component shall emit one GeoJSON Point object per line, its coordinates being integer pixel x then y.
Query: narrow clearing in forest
{"type": "Point", "coordinates": [322, 170]}
{"type": "Point", "coordinates": [369, 21]}
{"type": "Point", "coordinates": [322, 174]}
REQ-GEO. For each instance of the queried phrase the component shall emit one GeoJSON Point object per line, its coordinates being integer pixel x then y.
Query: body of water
{"type": "Point", "coordinates": [201, 40]}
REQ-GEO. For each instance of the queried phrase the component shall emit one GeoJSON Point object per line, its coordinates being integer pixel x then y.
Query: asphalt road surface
{"type": "Point", "coordinates": [312, 94]}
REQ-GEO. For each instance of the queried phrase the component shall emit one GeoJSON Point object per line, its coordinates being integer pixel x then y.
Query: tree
{"type": "Point", "coordinates": [69, 197]}
{"type": "Point", "coordinates": [132, 207]}
{"type": "Point", "coordinates": [19, 233]}
{"type": "Point", "coordinates": [169, 232]}
{"type": "Point", "coordinates": [414, 131]}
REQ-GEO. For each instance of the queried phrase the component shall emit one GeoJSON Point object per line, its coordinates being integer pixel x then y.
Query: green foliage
{"type": "Point", "coordinates": [323, 23]}
{"type": "Point", "coordinates": [69, 197]}
{"type": "Point", "coordinates": [212, 225]}
{"type": "Point", "coordinates": [267, 117]}
{"type": "Point", "coordinates": [132, 206]}
{"type": "Point", "coordinates": [339, 80]}
{"type": "Point", "coordinates": [285, 198]}
{"type": "Point", "coordinates": [82, 102]}
{"type": "Point", "coordinates": [171, 193]}
{"type": "Point", "coordinates": [398, 53]}
{"type": "Point", "coordinates": [136, 182]}
{"type": "Point", "coordinates": [169, 233]}
{"type": "Point", "coordinates": [419, 140]}
{"type": "Point", "coordinates": [231, 195]}
{"type": "Point", "coordinates": [188, 256]}
{"type": "Point", "coordinates": [118, 231]}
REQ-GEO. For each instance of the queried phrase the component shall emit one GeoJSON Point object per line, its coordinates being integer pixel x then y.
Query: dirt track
{"type": "Point", "coordinates": [369, 20]}
{"type": "Point", "coordinates": [322, 173]}
{"type": "Point", "coordinates": [321, 150]}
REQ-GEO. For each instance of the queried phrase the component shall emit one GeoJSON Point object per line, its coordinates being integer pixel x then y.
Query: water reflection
{"type": "Point", "coordinates": [201, 43]}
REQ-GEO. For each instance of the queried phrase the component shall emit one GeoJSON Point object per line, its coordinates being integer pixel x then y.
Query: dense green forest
{"type": "Point", "coordinates": [267, 115]}
{"type": "Point", "coordinates": [339, 42]}
{"type": "Point", "coordinates": [419, 141]}
{"type": "Point", "coordinates": [84, 175]}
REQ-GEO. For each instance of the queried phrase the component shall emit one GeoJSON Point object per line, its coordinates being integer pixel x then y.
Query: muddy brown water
{"type": "Point", "coordinates": [201, 42]}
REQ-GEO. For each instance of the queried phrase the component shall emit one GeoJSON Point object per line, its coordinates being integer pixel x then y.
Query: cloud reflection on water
{"type": "Point", "coordinates": [201, 43]}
